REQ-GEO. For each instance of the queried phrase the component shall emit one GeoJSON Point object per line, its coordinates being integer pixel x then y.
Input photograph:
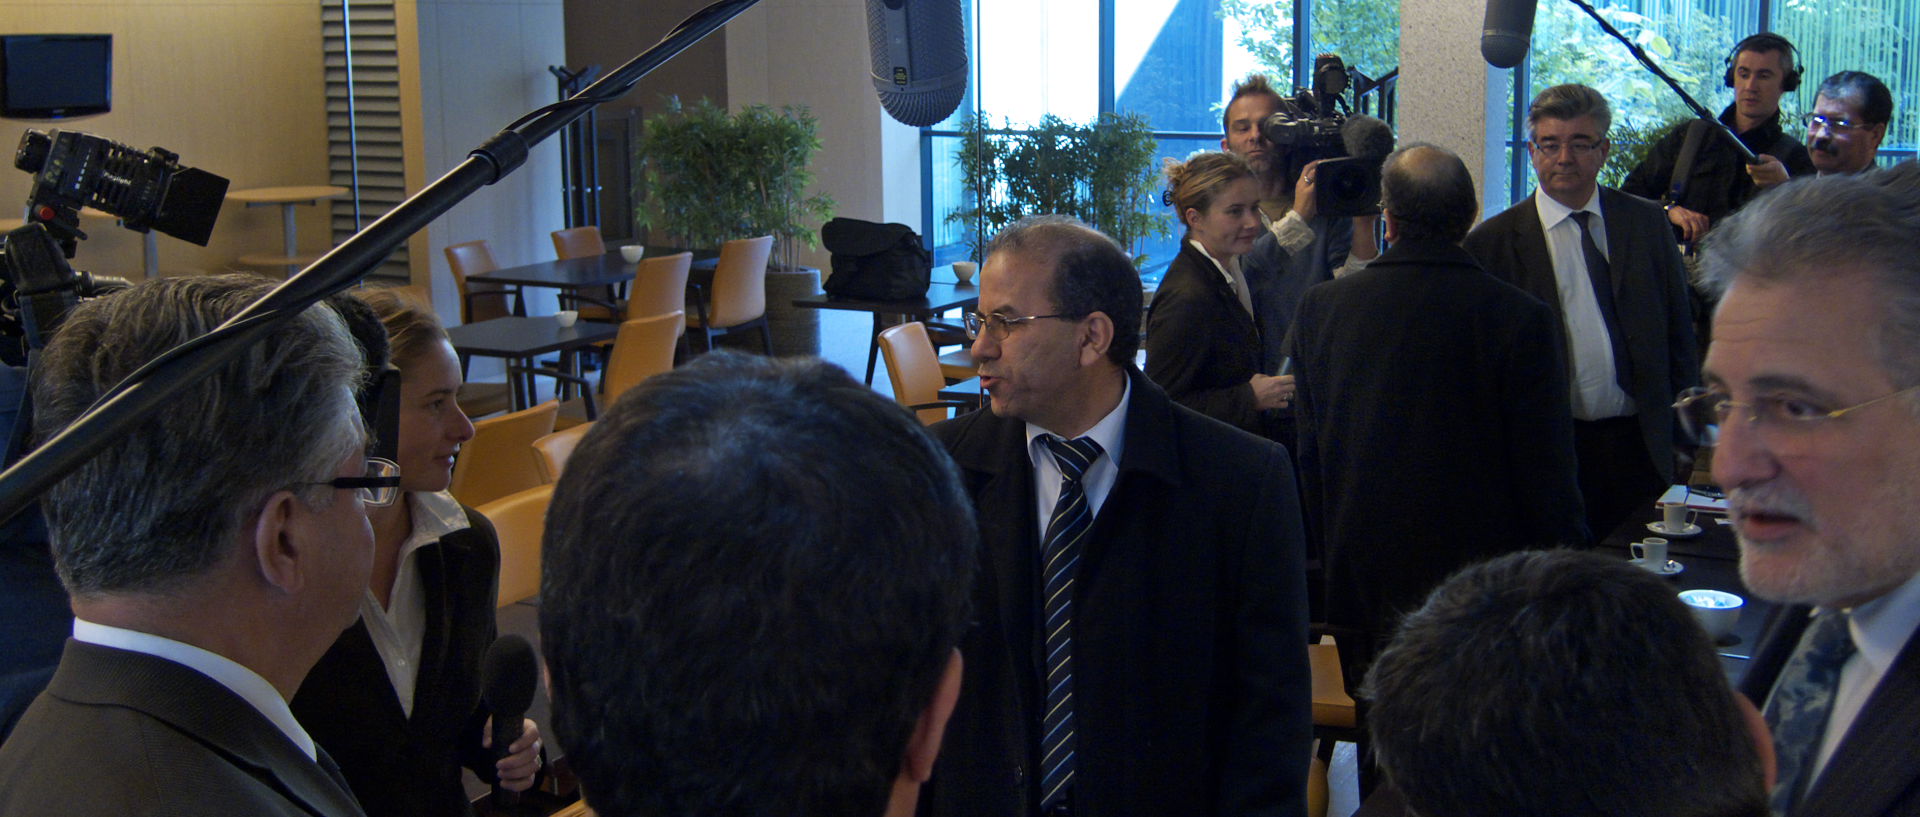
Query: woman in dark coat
{"type": "Point", "coordinates": [1203, 346]}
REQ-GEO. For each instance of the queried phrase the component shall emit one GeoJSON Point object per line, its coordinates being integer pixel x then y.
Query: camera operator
{"type": "Point", "coordinates": [1301, 247]}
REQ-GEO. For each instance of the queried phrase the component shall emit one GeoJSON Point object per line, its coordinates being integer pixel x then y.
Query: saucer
{"type": "Point", "coordinates": [1672, 568]}
{"type": "Point", "coordinates": [1689, 531]}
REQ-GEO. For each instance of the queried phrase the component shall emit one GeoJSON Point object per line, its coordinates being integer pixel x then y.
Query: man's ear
{"type": "Point", "coordinates": [924, 746]}
{"type": "Point", "coordinates": [1096, 336]}
{"type": "Point", "coordinates": [275, 555]}
{"type": "Point", "coordinates": [1393, 229]}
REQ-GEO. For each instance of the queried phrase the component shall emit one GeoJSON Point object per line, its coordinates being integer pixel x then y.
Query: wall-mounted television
{"type": "Point", "coordinates": [55, 76]}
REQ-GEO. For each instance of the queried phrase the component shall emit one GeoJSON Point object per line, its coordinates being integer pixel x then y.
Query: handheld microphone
{"type": "Point", "coordinates": [919, 50]}
{"type": "Point", "coordinates": [1507, 32]}
{"type": "Point", "coordinates": [509, 675]}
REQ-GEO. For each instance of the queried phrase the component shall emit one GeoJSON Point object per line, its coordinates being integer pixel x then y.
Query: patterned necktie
{"type": "Point", "coordinates": [1060, 555]}
{"type": "Point", "coordinates": [1600, 275]}
{"type": "Point", "coordinates": [1802, 698]}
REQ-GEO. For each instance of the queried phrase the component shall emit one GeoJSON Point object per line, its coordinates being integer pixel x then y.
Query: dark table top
{"type": "Point", "coordinates": [941, 296]}
{"type": "Point", "coordinates": [518, 337]}
{"type": "Point", "coordinates": [578, 273]}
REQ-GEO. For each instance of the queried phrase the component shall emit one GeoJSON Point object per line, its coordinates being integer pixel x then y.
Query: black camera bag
{"type": "Point", "coordinates": [879, 262]}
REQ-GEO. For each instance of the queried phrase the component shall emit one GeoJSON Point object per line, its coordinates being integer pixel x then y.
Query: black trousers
{"type": "Point", "coordinates": [1617, 477]}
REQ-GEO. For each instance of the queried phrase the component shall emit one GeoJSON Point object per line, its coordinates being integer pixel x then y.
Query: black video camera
{"type": "Point", "coordinates": [144, 189]}
{"type": "Point", "coordinates": [1317, 124]}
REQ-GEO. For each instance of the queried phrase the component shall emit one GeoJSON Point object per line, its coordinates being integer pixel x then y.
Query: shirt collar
{"type": "Point", "coordinates": [1229, 270]}
{"type": "Point", "coordinates": [225, 671]}
{"type": "Point", "coordinates": [1882, 627]}
{"type": "Point", "coordinates": [1552, 212]}
{"type": "Point", "coordinates": [435, 515]}
{"type": "Point", "coordinates": [1110, 432]}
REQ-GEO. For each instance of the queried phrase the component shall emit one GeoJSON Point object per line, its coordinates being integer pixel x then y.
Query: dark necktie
{"type": "Point", "coordinates": [1802, 698]}
{"type": "Point", "coordinates": [1600, 275]}
{"type": "Point", "coordinates": [1059, 556]}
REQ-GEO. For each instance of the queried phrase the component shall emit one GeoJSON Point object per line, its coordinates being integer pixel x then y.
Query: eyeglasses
{"type": "Point", "coordinates": [1702, 412]}
{"type": "Point", "coordinates": [1830, 123]}
{"type": "Point", "coordinates": [378, 488]}
{"type": "Point", "coordinates": [997, 326]}
{"type": "Point", "coordinates": [1579, 148]}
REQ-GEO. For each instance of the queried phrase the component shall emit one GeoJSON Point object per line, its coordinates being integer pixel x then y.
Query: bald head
{"type": "Point", "coordinates": [1428, 195]}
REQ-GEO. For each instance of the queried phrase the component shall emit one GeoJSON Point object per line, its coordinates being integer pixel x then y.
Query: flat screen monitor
{"type": "Point", "coordinates": [54, 76]}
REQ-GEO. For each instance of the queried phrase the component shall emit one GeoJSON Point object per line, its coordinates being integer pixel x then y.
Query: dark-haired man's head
{"type": "Point", "coordinates": [1428, 195]}
{"type": "Point", "coordinates": [755, 575]}
{"type": "Point", "coordinates": [1565, 684]}
{"type": "Point", "coordinates": [1849, 120]}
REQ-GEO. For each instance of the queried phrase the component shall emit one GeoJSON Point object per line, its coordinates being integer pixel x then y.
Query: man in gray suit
{"type": "Point", "coordinates": [1605, 262]}
{"type": "Point", "coordinates": [211, 557]}
{"type": "Point", "coordinates": [1812, 401]}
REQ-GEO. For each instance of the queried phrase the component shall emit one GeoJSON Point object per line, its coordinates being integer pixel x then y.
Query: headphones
{"type": "Point", "coordinates": [1769, 41]}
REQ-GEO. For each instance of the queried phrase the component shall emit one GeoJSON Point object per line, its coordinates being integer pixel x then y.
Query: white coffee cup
{"type": "Point", "coordinates": [633, 252]}
{"type": "Point", "coordinates": [1716, 611]}
{"type": "Point", "coordinates": [1675, 516]}
{"type": "Point", "coordinates": [567, 316]}
{"type": "Point", "coordinates": [963, 271]}
{"type": "Point", "coordinates": [1651, 553]}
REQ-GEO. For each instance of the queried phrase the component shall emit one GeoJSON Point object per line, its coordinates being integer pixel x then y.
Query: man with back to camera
{"type": "Point", "coordinates": [1849, 119]}
{"type": "Point", "coordinates": [1763, 67]}
{"type": "Point", "coordinates": [212, 556]}
{"type": "Point", "coordinates": [1601, 259]}
{"type": "Point", "coordinates": [1140, 642]}
{"type": "Point", "coordinates": [1434, 425]}
{"type": "Point", "coordinates": [755, 575]}
{"type": "Point", "coordinates": [1811, 398]}
{"type": "Point", "coordinates": [1301, 247]}
{"type": "Point", "coordinates": [1563, 684]}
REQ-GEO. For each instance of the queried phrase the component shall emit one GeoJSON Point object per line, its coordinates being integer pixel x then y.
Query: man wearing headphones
{"type": "Point", "coordinates": [1713, 179]}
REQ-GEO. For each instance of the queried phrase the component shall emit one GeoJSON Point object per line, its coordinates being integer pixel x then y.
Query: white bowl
{"type": "Point", "coordinates": [632, 252]}
{"type": "Point", "coordinates": [963, 271]}
{"type": "Point", "coordinates": [1716, 611]}
{"type": "Point", "coordinates": [567, 316]}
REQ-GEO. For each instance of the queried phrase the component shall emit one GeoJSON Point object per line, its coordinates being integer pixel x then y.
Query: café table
{"type": "Point", "coordinates": [576, 274]}
{"type": "Point", "coordinates": [942, 296]}
{"type": "Point", "coordinates": [520, 338]}
{"type": "Point", "coordinates": [286, 198]}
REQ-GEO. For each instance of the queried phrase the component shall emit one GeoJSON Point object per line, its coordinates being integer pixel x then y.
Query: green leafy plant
{"type": "Point", "coordinates": [711, 176]}
{"type": "Point", "coordinates": [1101, 173]}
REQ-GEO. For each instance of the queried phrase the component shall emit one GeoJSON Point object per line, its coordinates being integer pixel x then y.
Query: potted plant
{"type": "Point", "coordinates": [710, 176]}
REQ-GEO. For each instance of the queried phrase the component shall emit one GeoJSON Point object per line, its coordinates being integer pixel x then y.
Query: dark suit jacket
{"type": "Point", "coordinates": [1434, 428]}
{"type": "Point", "coordinates": [1191, 681]}
{"type": "Point", "coordinates": [1202, 346]}
{"type": "Point", "coordinates": [121, 732]}
{"type": "Point", "coordinates": [1874, 772]}
{"type": "Point", "coordinates": [1276, 280]}
{"type": "Point", "coordinates": [1649, 293]}
{"type": "Point", "coordinates": [411, 766]}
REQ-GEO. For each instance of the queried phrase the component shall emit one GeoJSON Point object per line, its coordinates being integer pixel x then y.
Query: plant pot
{"type": "Point", "coordinates": [796, 331]}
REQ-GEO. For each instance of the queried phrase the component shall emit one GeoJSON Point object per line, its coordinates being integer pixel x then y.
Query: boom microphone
{"type": "Point", "coordinates": [509, 676]}
{"type": "Point", "coordinates": [919, 58]}
{"type": "Point", "coordinates": [1507, 31]}
{"type": "Point", "coordinates": [1366, 136]}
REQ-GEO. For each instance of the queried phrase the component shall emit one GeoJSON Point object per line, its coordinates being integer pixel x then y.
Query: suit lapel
{"type": "Point", "coordinates": [1620, 242]}
{"type": "Point", "coordinates": [1875, 763]}
{"type": "Point", "coordinates": [205, 710]}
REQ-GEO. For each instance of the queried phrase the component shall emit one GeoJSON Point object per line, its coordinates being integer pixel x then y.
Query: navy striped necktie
{"type": "Point", "coordinates": [1060, 555]}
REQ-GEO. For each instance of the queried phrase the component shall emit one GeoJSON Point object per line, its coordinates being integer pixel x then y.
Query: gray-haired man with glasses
{"type": "Point", "coordinates": [1141, 603]}
{"type": "Point", "coordinates": [211, 557]}
{"type": "Point", "coordinates": [1812, 401]}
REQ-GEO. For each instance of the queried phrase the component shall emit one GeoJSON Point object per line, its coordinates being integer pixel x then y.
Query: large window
{"type": "Point", "coordinates": [1690, 40]}
{"type": "Point", "coordinates": [1172, 61]}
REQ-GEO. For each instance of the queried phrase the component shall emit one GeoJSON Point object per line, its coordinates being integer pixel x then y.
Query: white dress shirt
{"type": "Point", "coordinates": [1880, 628]}
{"type": "Point", "coordinates": [1231, 272]}
{"type": "Point", "coordinates": [224, 671]}
{"type": "Point", "coordinates": [399, 629]}
{"type": "Point", "coordinates": [1595, 390]}
{"type": "Point", "coordinates": [1098, 480]}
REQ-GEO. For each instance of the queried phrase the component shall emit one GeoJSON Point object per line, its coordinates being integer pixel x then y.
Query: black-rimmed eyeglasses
{"type": "Point", "coordinates": [378, 488]}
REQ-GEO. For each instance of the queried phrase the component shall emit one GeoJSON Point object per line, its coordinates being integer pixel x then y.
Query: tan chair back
{"type": "Point", "coordinates": [578, 242]}
{"type": "Point", "coordinates": [500, 460]}
{"type": "Point", "coordinates": [555, 448]}
{"type": "Point", "coordinates": [913, 369]}
{"type": "Point", "coordinates": [518, 519]}
{"type": "Point", "coordinates": [740, 282]}
{"type": "Point", "coordinates": [659, 285]}
{"type": "Point", "coordinates": [478, 301]}
{"type": "Point", "coordinates": [643, 349]}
